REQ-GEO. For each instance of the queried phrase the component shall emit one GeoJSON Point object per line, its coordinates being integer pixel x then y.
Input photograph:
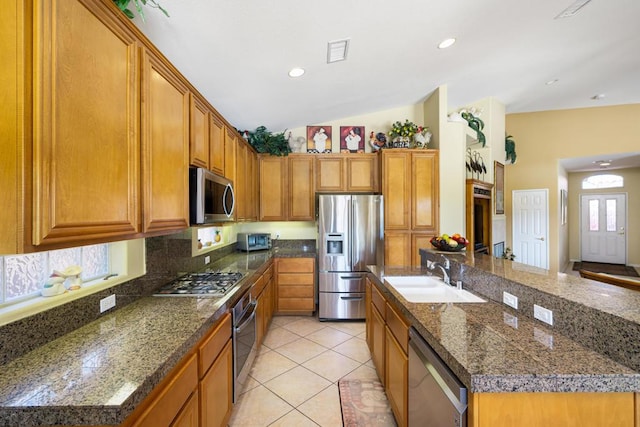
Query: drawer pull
{"type": "Point", "coordinates": [351, 277]}
{"type": "Point", "coordinates": [351, 298]}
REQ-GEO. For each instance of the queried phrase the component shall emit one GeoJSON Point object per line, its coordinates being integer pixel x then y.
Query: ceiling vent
{"type": "Point", "coordinates": [337, 50]}
{"type": "Point", "coordinates": [573, 9]}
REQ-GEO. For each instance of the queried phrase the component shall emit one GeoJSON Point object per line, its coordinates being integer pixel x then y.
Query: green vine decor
{"type": "Point", "coordinates": [123, 5]}
{"type": "Point", "coordinates": [510, 149]}
{"type": "Point", "coordinates": [266, 142]}
{"type": "Point", "coordinates": [476, 124]}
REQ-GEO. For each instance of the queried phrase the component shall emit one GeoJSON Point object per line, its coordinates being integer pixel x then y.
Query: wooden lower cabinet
{"type": "Point", "coordinates": [216, 390]}
{"type": "Point", "coordinates": [295, 282]}
{"type": "Point", "coordinates": [168, 399]}
{"type": "Point", "coordinates": [552, 409]}
{"type": "Point", "coordinates": [189, 415]}
{"type": "Point", "coordinates": [264, 296]}
{"type": "Point", "coordinates": [388, 339]}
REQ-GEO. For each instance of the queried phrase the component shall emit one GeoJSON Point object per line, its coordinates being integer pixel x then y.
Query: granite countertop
{"type": "Point", "coordinates": [99, 373]}
{"type": "Point", "coordinates": [492, 348]}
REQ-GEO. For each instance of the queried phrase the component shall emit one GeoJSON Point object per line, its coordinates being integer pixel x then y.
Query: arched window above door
{"type": "Point", "coordinates": [595, 182]}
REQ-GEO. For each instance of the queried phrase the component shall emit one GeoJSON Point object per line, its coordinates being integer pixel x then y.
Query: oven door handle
{"type": "Point", "coordinates": [250, 314]}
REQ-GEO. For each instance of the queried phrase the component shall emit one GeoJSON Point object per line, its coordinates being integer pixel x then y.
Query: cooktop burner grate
{"type": "Point", "coordinates": [208, 283]}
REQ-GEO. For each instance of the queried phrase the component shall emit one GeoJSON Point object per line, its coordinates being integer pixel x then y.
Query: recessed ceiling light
{"type": "Point", "coordinates": [603, 163]}
{"type": "Point", "coordinates": [598, 97]}
{"type": "Point", "coordinates": [296, 72]}
{"type": "Point", "coordinates": [446, 43]}
{"type": "Point", "coordinates": [550, 82]}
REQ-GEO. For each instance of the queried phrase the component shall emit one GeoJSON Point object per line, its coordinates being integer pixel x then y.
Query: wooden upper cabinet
{"type": "Point", "coordinates": [330, 173]}
{"type": "Point", "coordinates": [217, 132]}
{"type": "Point", "coordinates": [199, 133]}
{"type": "Point", "coordinates": [301, 200]}
{"type": "Point", "coordinates": [396, 189]}
{"type": "Point", "coordinates": [230, 154]}
{"type": "Point", "coordinates": [12, 163]}
{"type": "Point", "coordinates": [273, 188]}
{"type": "Point", "coordinates": [165, 147]}
{"type": "Point", "coordinates": [241, 181]}
{"type": "Point", "coordinates": [86, 144]}
{"type": "Point", "coordinates": [251, 199]}
{"type": "Point", "coordinates": [347, 173]}
{"type": "Point", "coordinates": [362, 173]}
{"type": "Point", "coordinates": [424, 191]}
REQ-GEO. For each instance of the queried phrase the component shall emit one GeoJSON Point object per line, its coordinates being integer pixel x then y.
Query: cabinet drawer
{"type": "Point", "coordinates": [258, 286]}
{"type": "Point", "coordinates": [295, 304]}
{"type": "Point", "coordinates": [295, 292]}
{"type": "Point", "coordinates": [287, 279]}
{"type": "Point", "coordinates": [173, 393]}
{"type": "Point", "coordinates": [378, 300]}
{"type": "Point", "coordinates": [399, 327]}
{"type": "Point", "coordinates": [296, 265]}
{"type": "Point", "coordinates": [268, 274]}
{"type": "Point", "coordinates": [213, 344]}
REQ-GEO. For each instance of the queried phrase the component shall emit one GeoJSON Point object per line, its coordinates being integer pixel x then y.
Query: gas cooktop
{"type": "Point", "coordinates": [208, 283]}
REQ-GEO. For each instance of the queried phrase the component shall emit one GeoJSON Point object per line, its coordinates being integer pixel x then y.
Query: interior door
{"type": "Point", "coordinates": [531, 227]}
{"type": "Point", "coordinates": [603, 228]}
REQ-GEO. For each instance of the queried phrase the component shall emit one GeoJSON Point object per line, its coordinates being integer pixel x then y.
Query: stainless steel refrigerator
{"type": "Point", "coordinates": [350, 232]}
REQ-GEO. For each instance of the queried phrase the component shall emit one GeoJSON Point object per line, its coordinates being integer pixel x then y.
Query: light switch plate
{"type": "Point", "coordinates": [510, 300]}
{"type": "Point", "coordinates": [543, 314]}
{"type": "Point", "coordinates": [207, 259]}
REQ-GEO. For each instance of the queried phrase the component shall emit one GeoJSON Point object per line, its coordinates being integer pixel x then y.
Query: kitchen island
{"type": "Point", "coordinates": [501, 354]}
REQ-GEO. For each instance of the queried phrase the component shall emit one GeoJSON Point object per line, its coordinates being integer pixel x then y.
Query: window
{"type": "Point", "coordinates": [22, 276]}
{"type": "Point", "coordinates": [594, 182]}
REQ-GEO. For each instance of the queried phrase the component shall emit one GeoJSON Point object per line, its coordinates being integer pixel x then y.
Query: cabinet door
{"type": "Point", "coordinates": [252, 199]}
{"type": "Point", "coordinates": [301, 188]}
{"type": "Point", "coordinates": [86, 143]}
{"type": "Point", "coordinates": [261, 313]}
{"type": "Point", "coordinates": [424, 191]}
{"type": "Point", "coordinates": [396, 378]}
{"type": "Point", "coordinates": [378, 342]}
{"type": "Point", "coordinates": [216, 145]}
{"type": "Point", "coordinates": [419, 241]}
{"type": "Point", "coordinates": [216, 391]}
{"type": "Point", "coordinates": [368, 315]}
{"type": "Point", "coordinates": [188, 416]}
{"type": "Point", "coordinates": [273, 191]}
{"type": "Point", "coordinates": [362, 172]}
{"type": "Point", "coordinates": [12, 163]}
{"type": "Point", "coordinates": [330, 173]}
{"type": "Point", "coordinates": [241, 181]}
{"type": "Point", "coordinates": [230, 153]}
{"type": "Point", "coordinates": [396, 189]}
{"type": "Point", "coordinates": [165, 147]}
{"type": "Point", "coordinates": [397, 248]}
{"type": "Point", "coordinates": [198, 133]}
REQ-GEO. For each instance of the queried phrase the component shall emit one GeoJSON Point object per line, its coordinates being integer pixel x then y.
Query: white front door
{"type": "Point", "coordinates": [531, 227]}
{"type": "Point", "coordinates": [603, 221]}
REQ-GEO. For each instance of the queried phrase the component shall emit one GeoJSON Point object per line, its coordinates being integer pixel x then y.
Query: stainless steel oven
{"type": "Point", "coordinates": [244, 341]}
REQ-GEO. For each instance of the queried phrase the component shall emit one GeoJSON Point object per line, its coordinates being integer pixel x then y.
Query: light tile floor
{"type": "Point", "coordinates": [294, 379]}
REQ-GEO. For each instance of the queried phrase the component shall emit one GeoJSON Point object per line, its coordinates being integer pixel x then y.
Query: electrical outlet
{"type": "Point", "coordinates": [510, 300]}
{"type": "Point", "coordinates": [543, 314]}
{"type": "Point", "coordinates": [107, 303]}
{"type": "Point", "coordinates": [207, 259]}
{"type": "Point", "coordinates": [277, 235]}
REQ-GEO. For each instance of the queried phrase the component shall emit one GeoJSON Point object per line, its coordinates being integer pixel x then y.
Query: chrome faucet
{"type": "Point", "coordinates": [444, 266]}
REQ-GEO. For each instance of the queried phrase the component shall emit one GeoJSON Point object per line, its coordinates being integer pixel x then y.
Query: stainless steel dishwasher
{"type": "Point", "coordinates": [436, 397]}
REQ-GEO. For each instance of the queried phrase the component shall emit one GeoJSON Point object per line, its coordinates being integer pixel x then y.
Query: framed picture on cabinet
{"type": "Point", "coordinates": [498, 176]}
{"type": "Point", "coordinates": [319, 139]}
{"type": "Point", "coordinates": [352, 139]}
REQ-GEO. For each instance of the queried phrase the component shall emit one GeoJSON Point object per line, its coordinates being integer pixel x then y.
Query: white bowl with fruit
{"type": "Point", "coordinates": [447, 243]}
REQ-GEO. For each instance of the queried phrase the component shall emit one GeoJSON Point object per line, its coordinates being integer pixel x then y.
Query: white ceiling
{"type": "Point", "coordinates": [237, 54]}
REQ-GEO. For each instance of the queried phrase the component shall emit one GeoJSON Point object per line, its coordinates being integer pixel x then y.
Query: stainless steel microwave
{"type": "Point", "coordinates": [211, 197]}
{"type": "Point", "coordinates": [254, 241]}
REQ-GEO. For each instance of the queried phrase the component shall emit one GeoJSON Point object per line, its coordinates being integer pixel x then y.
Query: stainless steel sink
{"type": "Point", "coordinates": [429, 289]}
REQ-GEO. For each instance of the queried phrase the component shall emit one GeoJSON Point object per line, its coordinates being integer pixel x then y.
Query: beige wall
{"type": "Point", "coordinates": [542, 138]}
{"type": "Point", "coordinates": [632, 190]}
